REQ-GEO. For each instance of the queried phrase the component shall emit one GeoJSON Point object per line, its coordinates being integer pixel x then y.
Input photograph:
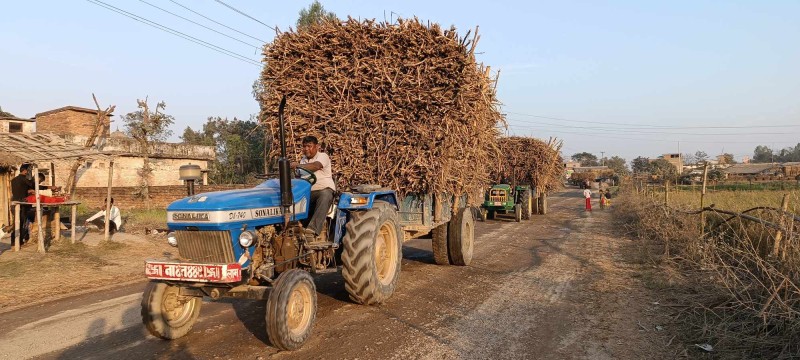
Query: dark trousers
{"type": "Point", "coordinates": [101, 224]}
{"type": "Point", "coordinates": [320, 204]}
{"type": "Point", "coordinates": [26, 212]}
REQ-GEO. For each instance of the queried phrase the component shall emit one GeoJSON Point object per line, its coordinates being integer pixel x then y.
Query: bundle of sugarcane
{"type": "Point", "coordinates": [404, 105]}
{"type": "Point", "coordinates": [530, 161]}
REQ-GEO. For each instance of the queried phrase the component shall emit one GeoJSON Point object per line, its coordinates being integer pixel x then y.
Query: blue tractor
{"type": "Point", "coordinates": [250, 244]}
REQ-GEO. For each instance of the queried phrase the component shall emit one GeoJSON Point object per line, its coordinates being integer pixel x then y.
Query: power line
{"type": "Point", "coordinates": [176, 33]}
{"type": "Point", "coordinates": [217, 22]}
{"type": "Point", "coordinates": [604, 136]}
{"type": "Point", "coordinates": [244, 14]}
{"type": "Point", "coordinates": [644, 126]}
{"type": "Point", "coordinates": [201, 25]}
{"type": "Point", "coordinates": [651, 132]}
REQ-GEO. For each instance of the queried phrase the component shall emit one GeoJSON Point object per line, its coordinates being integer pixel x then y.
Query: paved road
{"type": "Point", "coordinates": [531, 292]}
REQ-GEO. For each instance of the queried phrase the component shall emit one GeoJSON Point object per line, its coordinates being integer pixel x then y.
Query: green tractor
{"type": "Point", "coordinates": [505, 199]}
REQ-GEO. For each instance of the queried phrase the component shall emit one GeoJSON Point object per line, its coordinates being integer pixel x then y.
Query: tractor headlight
{"type": "Point", "coordinates": [246, 238]}
{"type": "Point", "coordinates": [171, 239]}
{"type": "Point", "coordinates": [359, 201]}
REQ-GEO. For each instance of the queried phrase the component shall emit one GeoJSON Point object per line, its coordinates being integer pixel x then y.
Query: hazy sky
{"type": "Point", "coordinates": [626, 78]}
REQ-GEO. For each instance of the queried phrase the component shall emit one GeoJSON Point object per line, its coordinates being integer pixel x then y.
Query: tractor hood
{"type": "Point", "coordinates": [262, 202]}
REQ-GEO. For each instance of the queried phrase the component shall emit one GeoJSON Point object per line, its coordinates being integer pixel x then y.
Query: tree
{"type": "Point", "coordinates": [617, 164]}
{"type": "Point", "coordinates": [640, 165]}
{"type": "Point", "coordinates": [146, 128]}
{"type": "Point", "coordinates": [314, 14]}
{"type": "Point", "coordinates": [239, 146]}
{"type": "Point", "coordinates": [727, 158]}
{"type": "Point", "coordinates": [99, 129]}
{"type": "Point", "coordinates": [586, 159]}
{"type": "Point", "coordinates": [689, 158]}
{"type": "Point", "coordinates": [700, 157]}
{"type": "Point", "coordinates": [664, 169]}
{"type": "Point", "coordinates": [5, 114]}
{"type": "Point", "coordinates": [763, 154]}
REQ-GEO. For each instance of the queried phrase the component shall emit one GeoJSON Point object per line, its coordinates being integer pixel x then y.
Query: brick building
{"type": "Point", "coordinates": [13, 124]}
{"type": "Point", "coordinates": [68, 120]}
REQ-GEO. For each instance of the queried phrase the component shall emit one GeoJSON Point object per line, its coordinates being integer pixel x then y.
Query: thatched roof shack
{"type": "Point", "coordinates": [39, 150]}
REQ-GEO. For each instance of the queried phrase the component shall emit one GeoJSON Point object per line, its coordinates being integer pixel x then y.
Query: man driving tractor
{"type": "Point", "coordinates": [322, 191]}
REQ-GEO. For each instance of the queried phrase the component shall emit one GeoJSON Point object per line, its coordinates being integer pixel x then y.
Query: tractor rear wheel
{"type": "Point", "coordinates": [166, 313]}
{"type": "Point", "coordinates": [518, 213]}
{"type": "Point", "coordinates": [461, 237]}
{"type": "Point", "coordinates": [372, 254]}
{"type": "Point", "coordinates": [291, 309]}
{"type": "Point", "coordinates": [527, 206]}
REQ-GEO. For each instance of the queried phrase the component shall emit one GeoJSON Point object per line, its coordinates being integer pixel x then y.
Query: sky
{"type": "Point", "coordinates": [626, 78]}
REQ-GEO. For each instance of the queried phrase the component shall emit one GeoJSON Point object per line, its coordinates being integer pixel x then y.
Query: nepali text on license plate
{"type": "Point", "coordinates": [498, 203]}
{"type": "Point", "coordinates": [194, 272]}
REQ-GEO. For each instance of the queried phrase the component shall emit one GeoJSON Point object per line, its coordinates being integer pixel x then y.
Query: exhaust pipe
{"type": "Point", "coordinates": [284, 168]}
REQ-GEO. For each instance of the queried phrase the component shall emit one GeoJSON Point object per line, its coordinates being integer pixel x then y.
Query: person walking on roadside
{"type": "Point", "coordinates": [588, 195]}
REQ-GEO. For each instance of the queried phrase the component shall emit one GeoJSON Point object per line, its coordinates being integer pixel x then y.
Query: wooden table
{"type": "Point", "coordinates": [55, 224]}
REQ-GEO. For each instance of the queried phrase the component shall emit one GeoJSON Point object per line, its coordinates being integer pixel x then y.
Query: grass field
{"type": "Point", "coordinates": [735, 200]}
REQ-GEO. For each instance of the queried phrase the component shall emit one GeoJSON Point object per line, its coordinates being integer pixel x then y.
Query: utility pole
{"type": "Point", "coordinates": [603, 158]}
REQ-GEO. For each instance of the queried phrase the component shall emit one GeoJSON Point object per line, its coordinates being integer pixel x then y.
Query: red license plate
{"type": "Point", "coordinates": [193, 272]}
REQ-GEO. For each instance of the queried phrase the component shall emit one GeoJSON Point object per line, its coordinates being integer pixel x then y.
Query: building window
{"type": "Point", "coordinates": [14, 127]}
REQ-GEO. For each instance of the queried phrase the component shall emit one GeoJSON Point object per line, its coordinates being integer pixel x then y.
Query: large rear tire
{"type": "Point", "coordinates": [167, 314]}
{"type": "Point", "coordinates": [461, 237]}
{"type": "Point", "coordinates": [441, 254]}
{"type": "Point", "coordinates": [372, 254]}
{"type": "Point", "coordinates": [291, 310]}
{"type": "Point", "coordinates": [527, 206]}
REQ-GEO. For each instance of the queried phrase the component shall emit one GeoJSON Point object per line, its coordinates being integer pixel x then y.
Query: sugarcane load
{"type": "Point", "coordinates": [408, 123]}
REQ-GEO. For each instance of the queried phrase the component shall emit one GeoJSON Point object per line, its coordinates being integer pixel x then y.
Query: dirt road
{"type": "Point", "coordinates": [556, 287]}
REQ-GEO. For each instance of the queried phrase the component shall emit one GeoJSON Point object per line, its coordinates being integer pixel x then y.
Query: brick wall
{"type": "Point", "coordinates": [66, 122]}
{"type": "Point", "coordinates": [127, 198]}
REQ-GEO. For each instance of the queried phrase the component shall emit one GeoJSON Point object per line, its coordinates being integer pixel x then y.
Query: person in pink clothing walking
{"type": "Point", "coordinates": [588, 195]}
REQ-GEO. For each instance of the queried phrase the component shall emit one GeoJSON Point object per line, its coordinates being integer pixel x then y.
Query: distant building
{"type": "Point", "coordinates": [675, 159]}
{"type": "Point", "coordinates": [750, 170]}
{"type": "Point", "coordinates": [745, 159]}
{"type": "Point", "coordinates": [12, 124]}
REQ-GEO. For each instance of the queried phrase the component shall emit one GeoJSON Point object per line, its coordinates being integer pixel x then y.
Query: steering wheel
{"type": "Point", "coordinates": [299, 173]}
{"type": "Point", "coordinates": [306, 175]}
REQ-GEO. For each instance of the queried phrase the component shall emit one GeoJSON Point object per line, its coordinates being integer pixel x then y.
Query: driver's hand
{"type": "Point", "coordinates": [294, 164]}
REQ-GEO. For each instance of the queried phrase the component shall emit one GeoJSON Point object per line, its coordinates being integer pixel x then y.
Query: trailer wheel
{"type": "Point", "coordinates": [461, 236]}
{"type": "Point", "coordinates": [543, 204]}
{"type": "Point", "coordinates": [372, 254]}
{"type": "Point", "coordinates": [167, 314]}
{"type": "Point", "coordinates": [527, 205]}
{"type": "Point", "coordinates": [518, 212]}
{"type": "Point", "coordinates": [441, 254]}
{"type": "Point", "coordinates": [291, 310]}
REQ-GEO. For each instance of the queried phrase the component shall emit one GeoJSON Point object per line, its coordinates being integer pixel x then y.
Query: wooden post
{"type": "Point", "coordinates": [702, 200]}
{"type": "Point", "coordinates": [57, 222]}
{"type": "Point", "coordinates": [108, 199]}
{"type": "Point", "coordinates": [41, 247]}
{"type": "Point", "coordinates": [74, 221]}
{"type": "Point", "coordinates": [666, 192]}
{"type": "Point", "coordinates": [17, 228]}
{"type": "Point", "coordinates": [779, 235]}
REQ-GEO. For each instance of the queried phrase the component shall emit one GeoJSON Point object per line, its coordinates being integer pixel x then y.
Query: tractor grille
{"type": "Point", "coordinates": [498, 196]}
{"type": "Point", "coordinates": [205, 246]}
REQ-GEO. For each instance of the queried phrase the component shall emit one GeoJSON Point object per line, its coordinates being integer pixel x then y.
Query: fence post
{"type": "Point", "coordinates": [666, 192]}
{"type": "Point", "coordinates": [779, 235]}
{"type": "Point", "coordinates": [702, 200]}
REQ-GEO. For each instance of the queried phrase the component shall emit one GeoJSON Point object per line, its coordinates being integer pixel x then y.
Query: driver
{"type": "Point", "coordinates": [322, 191]}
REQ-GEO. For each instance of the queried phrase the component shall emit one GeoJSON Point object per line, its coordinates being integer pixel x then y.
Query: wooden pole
{"type": "Point", "coordinates": [702, 200]}
{"type": "Point", "coordinates": [666, 192]}
{"type": "Point", "coordinates": [40, 234]}
{"type": "Point", "coordinates": [17, 228]}
{"type": "Point", "coordinates": [108, 199]}
{"type": "Point", "coordinates": [74, 221]}
{"type": "Point", "coordinates": [779, 235]}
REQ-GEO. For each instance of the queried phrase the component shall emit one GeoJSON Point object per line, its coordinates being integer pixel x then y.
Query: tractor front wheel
{"type": "Point", "coordinates": [518, 212]}
{"type": "Point", "coordinates": [372, 254]}
{"type": "Point", "coordinates": [527, 206]}
{"type": "Point", "coordinates": [291, 309]}
{"type": "Point", "coordinates": [490, 214]}
{"type": "Point", "coordinates": [166, 313]}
